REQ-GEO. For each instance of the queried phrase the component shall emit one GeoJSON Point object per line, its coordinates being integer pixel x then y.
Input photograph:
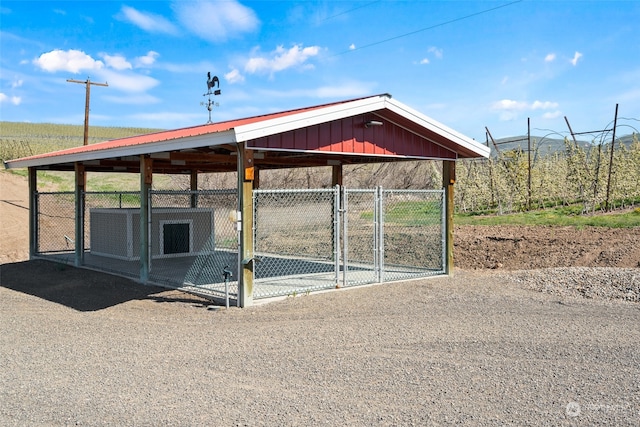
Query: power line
{"type": "Point", "coordinates": [428, 28]}
{"type": "Point", "coordinates": [350, 10]}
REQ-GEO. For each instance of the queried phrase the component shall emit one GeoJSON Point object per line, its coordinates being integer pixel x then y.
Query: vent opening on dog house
{"type": "Point", "coordinates": [175, 238]}
{"type": "Point", "coordinates": [281, 242]}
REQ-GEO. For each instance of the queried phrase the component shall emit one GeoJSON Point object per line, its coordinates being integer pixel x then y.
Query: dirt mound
{"type": "Point", "coordinates": [524, 248]}
{"type": "Point", "coordinates": [14, 218]}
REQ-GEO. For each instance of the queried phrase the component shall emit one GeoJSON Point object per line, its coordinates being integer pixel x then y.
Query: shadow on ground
{"type": "Point", "coordinates": [80, 289]}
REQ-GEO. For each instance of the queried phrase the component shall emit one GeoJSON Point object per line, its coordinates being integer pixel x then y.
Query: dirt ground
{"type": "Point", "coordinates": [476, 247]}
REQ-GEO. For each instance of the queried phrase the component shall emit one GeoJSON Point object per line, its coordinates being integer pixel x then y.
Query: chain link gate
{"type": "Point", "coordinates": [361, 237]}
{"type": "Point", "coordinates": [412, 234]}
{"type": "Point", "coordinates": [307, 240]}
{"type": "Point", "coordinates": [296, 237]}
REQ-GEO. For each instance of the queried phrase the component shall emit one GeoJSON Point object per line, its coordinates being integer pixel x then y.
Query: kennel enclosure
{"type": "Point", "coordinates": [188, 239]}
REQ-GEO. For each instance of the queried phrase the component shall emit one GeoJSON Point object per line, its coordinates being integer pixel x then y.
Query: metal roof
{"type": "Point", "coordinates": [339, 130]}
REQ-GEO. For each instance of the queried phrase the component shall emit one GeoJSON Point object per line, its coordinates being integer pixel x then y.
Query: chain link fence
{"type": "Point", "coordinates": [194, 241]}
{"type": "Point", "coordinates": [55, 222]}
{"type": "Point", "coordinates": [112, 232]}
{"type": "Point", "coordinates": [304, 240]}
{"type": "Point", "coordinates": [295, 241]}
{"type": "Point", "coordinates": [307, 240]}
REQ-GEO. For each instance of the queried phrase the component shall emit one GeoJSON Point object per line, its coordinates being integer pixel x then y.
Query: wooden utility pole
{"type": "Point", "coordinates": [88, 84]}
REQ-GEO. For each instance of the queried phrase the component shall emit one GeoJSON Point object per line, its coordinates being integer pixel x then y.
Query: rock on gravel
{"type": "Point", "coordinates": [604, 283]}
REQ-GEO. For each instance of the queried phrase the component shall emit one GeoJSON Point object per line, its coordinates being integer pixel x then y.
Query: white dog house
{"type": "Point", "coordinates": [115, 233]}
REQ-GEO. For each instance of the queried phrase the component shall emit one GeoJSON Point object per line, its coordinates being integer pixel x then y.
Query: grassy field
{"type": "Point", "coordinates": [556, 217]}
{"type": "Point", "coordinates": [25, 139]}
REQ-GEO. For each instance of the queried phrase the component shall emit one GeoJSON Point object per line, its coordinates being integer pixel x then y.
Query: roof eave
{"type": "Point", "coordinates": [465, 142]}
{"type": "Point", "coordinates": [211, 139]}
{"type": "Point", "coordinates": [309, 118]}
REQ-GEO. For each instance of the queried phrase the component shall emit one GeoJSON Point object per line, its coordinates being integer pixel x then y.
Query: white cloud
{"type": "Point", "coordinates": [424, 61]}
{"type": "Point", "coordinates": [552, 115]}
{"type": "Point", "coordinates": [138, 99]}
{"type": "Point", "coordinates": [215, 21]}
{"type": "Point", "coordinates": [550, 57]}
{"type": "Point", "coordinates": [507, 116]}
{"type": "Point", "coordinates": [73, 61]}
{"type": "Point", "coordinates": [147, 21]}
{"type": "Point", "coordinates": [352, 46]}
{"type": "Point", "coordinates": [234, 76]}
{"type": "Point", "coordinates": [576, 57]}
{"type": "Point", "coordinates": [147, 60]}
{"type": "Point", "coordinates": [281, 59]}
{"type": "Point", "coordinates": [117, 62]}
{"type": "Point", "coordinates": [546, 105]}
{"type": "Point", "coordinates": [134, 83]}
{"type": "Point", "coordinates": [15, 100]}
{"type": "Point", "coordinates": [435, 51]}
{"type": "Point", "coordinates": [509, 109]}
{"type": "Point", "coordinates": [509, 105]}
{"type": "Point", "coordinates": [348, 90]}
{"type": "Point", "coordinates": [631, 95]}
{"type": "Point", "coordinates": [345, 90]}
{"type": "Point", "coordinates": [167, 117]}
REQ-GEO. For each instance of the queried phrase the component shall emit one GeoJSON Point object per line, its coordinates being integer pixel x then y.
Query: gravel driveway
{"type": "Point", "coordinates": [480, 348]}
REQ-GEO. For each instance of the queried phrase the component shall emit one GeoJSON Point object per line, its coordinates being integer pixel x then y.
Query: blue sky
{"type": "Point", "coordinates": [468, 64]}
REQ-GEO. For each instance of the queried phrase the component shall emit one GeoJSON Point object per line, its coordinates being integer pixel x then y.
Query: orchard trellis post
{"type": "Point", "coordinates": [613, 140]}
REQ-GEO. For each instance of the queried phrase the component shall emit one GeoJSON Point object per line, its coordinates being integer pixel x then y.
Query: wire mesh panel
{"type": "Point", "coordinates": [304, 240]}
{"type": "Point", "coordinates": [295, 241]}
{"type": "Point", "coordinates": [193, 240]}
{"type": "Point", "coordinates": [412, 233]}
{"type": "Point", "coordinates": [360, 242]}
{"type": "Point", "coordinates": [112, 232]}
{"type": "Point", "coordinates": [55, 234]}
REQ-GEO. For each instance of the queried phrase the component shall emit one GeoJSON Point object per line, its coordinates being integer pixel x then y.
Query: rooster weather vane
{"type": "Point", "coordinates": [213, 88]}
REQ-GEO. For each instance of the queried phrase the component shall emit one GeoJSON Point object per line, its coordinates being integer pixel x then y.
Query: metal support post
{"type": "Point", "coordinates": [379, 235]}
{"type": "Point", "coordinates": [245, 188]}
{"type": "Point", "coordinates": [226, 272]}
{"type": "Point", "coordinates": [33, 212]}
{"type": "Point", "coordinates": [80, 181]}
{"type": "Point", "coordinates": [146, 179]}
{"type": "Point", "coordinates": [448, 180]}
{"type": "Point", "coordinates": [336, 232]}
{"type": "Point", "coordinates": [345, 237]}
